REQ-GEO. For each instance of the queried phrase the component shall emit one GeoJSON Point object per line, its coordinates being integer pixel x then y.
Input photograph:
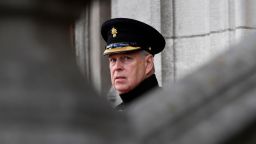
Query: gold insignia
{"type": "Point", "coordinates": [114, 31]}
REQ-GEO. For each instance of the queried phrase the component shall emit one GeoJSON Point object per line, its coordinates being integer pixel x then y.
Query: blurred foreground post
{"type": "Point", "coordinates": [43, 97]}
{"type": "Point", "coordinates": [214, 105]}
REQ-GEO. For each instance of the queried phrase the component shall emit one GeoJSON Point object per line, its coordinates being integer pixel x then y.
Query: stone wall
{"type": "Point", "coordinates": [196, 31]}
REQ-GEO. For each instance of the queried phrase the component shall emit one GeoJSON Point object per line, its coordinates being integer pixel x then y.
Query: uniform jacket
{"type": "Point", "coordinates": [144, 87]}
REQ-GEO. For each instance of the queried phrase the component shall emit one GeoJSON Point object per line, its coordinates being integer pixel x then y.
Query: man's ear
{"type": "Point", "coordinates": [149, 64]}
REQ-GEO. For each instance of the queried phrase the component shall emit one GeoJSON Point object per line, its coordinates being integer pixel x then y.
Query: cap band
{"type": "Point", "coordinates": [120, 49]}
{"type": "Point", "coordinates": [121, 44]}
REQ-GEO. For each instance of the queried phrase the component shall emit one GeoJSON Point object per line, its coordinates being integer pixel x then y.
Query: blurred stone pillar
{"type": "Point", "coordinates": [44, 98]}
{"type": "Point", "coordinates": [90, 45]}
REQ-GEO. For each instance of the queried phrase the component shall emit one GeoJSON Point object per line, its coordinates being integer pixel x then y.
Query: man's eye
{"type": "Point", "coordinates": [112, 60]}
{"type": "Point", "coordinates": [127, 58]}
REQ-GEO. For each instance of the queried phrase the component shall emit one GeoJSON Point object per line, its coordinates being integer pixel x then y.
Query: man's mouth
{"type": "Point", "coordinates": [120, 78]}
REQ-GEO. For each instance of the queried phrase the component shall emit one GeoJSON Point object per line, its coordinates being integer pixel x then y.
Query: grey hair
{"type": "Point", "coordinates": [144, 53]}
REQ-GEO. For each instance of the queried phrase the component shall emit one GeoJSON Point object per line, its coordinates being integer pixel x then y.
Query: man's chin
{"type": "Point", "coordinates": [121, 90]}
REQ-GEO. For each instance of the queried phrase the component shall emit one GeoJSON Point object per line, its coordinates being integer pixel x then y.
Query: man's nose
{"type": "Point", "coordinates": [118, 65]}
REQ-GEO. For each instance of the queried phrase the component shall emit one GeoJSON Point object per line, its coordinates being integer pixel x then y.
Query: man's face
{"type": "Point", "coordinates": [127, 70]}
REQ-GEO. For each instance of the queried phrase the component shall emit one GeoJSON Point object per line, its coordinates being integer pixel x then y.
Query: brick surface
{"type": "Point", "coordinates": [137, 9]}
{"type": "Point", "coordinates": [168, 61]}
{"type": "Point", "coordinates": [245, 11]}
{"type": "Point", "coordinates": [191, 17]}
{"type": "Point", "coordinates": [191, 53]}
{"type": "Point", "coordinates": [219, 15]}
{"type": "Point", "coordinates": [219, 43]}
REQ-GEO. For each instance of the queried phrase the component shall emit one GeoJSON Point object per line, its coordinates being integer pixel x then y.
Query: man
{"type": "Point", "coordinates": [131, 46]}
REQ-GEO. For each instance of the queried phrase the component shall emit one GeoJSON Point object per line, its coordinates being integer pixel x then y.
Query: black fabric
{"type": "Point", "coordinates": [144, 87]}
{"type": "Point", "coordinates": [133, 31]}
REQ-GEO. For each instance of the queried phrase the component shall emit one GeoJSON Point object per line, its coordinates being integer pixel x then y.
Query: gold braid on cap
{"type": "Point", "coordinates": [120, 49]}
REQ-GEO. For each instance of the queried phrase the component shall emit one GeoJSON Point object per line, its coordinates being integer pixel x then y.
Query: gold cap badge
{"type": "Point", "coordinates": [114, 31]}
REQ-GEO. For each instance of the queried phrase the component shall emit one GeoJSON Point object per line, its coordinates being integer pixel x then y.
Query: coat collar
{"type": "Point", "coordinates": [144, 87]}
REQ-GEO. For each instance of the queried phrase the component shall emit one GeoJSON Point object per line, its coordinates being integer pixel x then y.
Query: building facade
{"type": "Point", "coordinates": [195, 31]}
